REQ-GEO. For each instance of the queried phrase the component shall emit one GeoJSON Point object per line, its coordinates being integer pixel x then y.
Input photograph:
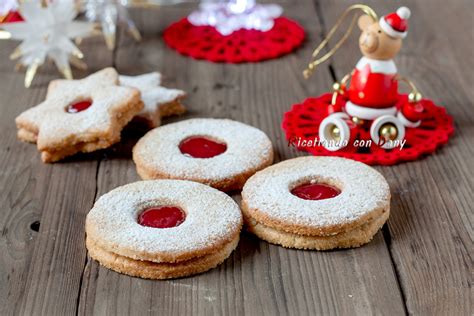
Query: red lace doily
{"type": "Point", "coordinates": [302, 122]}
{"type": "Point", "coordinates": [204, 42]}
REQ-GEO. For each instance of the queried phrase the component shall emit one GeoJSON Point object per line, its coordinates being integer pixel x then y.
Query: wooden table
{"type": "Point", "coordinates": [419, 263]}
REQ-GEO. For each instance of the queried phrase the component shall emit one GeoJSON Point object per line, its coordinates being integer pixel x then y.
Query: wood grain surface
{"type": "Point", "coordinates": [420, 264]}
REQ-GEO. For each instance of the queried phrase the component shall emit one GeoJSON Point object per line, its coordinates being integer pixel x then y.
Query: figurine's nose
{"type": "Point", "coordinates": [369, 41]}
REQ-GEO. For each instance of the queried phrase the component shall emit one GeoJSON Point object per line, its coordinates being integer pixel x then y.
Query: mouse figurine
{"type": "Point", "coordinates": [372, 94]}
{"type": "Point", "coordinates": [366, 117]}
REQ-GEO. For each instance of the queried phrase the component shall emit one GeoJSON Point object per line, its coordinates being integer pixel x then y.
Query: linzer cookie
{"type": "Point", "coordinates": [163, 229]}
{"type": "Point", "coordinates": [316, 203]}
{"type": "Point", "coordinates": [159, 101]}
{"type": "Point", "coordinates": [217, 152]}
{"type": "Point", "coordinates": [79, 115]}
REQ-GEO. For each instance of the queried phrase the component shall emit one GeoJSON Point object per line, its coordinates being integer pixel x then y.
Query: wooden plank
{"type": "Point", "coordinates": [431, 222]}
{"type": "Point", "coordinates": [43, 206]}
{"type": "Point", "coordinates": [258, 278]}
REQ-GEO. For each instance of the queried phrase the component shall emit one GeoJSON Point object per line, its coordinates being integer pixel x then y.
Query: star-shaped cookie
{"type": "Point", "coordinates": [159, 101]}
{"type": "Point", "coordinates": [79, 115]}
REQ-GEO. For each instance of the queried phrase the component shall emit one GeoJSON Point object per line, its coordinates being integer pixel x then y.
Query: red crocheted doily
{"type": "Point", "coordinates": [204, 42]}
{"type": "Point", "coordinates": [302, 122]}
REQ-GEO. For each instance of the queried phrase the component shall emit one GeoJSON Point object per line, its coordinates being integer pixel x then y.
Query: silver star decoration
{"type": "Point", "coordinates": [110, 14]}
{"type": "Point", "coordinates": [46, 33]}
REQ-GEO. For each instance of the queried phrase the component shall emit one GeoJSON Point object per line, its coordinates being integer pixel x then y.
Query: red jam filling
{"type": "Point", "coordinates": [79, 106]}
{"type": "Point", "coordinates": [315, 191]}
{"type": "Point", "coordinates": [162, 217]}
{"type": "Point", "coordinates": [201, 147]}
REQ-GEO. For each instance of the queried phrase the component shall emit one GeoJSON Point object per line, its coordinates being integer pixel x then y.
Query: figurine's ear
{"type": "Point", "coordinates": [365, 21]}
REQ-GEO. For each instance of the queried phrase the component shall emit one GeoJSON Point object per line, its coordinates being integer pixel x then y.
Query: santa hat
{"type": "Point", "coordinates": [395, 24]}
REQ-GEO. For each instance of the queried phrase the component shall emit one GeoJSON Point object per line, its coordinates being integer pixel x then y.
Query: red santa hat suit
{"type": "Point", "coordinates": [395, 24]}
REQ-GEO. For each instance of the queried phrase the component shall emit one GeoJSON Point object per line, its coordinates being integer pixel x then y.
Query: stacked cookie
{"type": "Point", "coordinates": [163, 228]}
{"type": "Point", "coordinates": [158, 101]}
{"type": "Point", "coordinates": [218, 152]}
{"type": "Point", "coordinates": [316, 203]}
{"type": "Point", "coordinates": [89, 114]}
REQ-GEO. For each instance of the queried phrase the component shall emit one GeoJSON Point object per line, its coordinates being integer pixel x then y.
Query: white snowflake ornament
{"type": "Point", "coordinates": [46, 33]}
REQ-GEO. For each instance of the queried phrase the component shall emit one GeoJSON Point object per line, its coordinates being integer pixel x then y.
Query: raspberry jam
{"type": "Point", "coordinates": [79, 106]}
{"type": "Point", "coordinates": [162, 217]}
{"type": "Point", "coordinates": [315, 191]}
{"type": "Point", "coordinates": [201, 147]}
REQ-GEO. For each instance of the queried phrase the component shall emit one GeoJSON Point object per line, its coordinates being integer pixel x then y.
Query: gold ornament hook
{"type": "Point", "coordinates": [315, 62]}
{"type": "Point", "coordinates": [414, 96]}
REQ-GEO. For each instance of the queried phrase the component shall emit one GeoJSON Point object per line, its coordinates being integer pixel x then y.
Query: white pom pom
{"type": "Point", "coordinates": [403, 12]}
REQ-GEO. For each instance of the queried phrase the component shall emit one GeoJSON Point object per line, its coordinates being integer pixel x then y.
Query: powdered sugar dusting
{"type": "Point", "coordinates": [152, 94]}
{"type": "Point", "coordinates": [211, 216]}
{"type": "Point", "coordinates": [247, 148]}
{"type": "Point", "coordinates": [363, 190]}
{"type": "Point", "coordinates": [149, 80]}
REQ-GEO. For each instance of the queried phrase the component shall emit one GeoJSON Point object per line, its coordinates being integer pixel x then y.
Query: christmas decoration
{"type": "Point", "coordinates": [12, 16]}
{"type": "Point", "coordinates": [46, 33]}
{"type": "Point", "coordinates": [7, 6]}
{"type": "Point", "coordinates": [110, 14]}
{"type": "Point", "coordinates": [227, 18]}
{"type": "Point", "coordinates": [369, 120]}
{"type": "Point", "coordinates": [235, 31]}
{"type": "Point", "coordinates": [8, 14]}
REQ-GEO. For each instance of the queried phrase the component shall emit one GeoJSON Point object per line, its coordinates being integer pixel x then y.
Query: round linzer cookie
{"type": "Point", "coordinates": [163, 229]}
{"type": "Point", "coordinates": [217, 152]}
{"type": "Point", "coordinates": [316, 203]}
